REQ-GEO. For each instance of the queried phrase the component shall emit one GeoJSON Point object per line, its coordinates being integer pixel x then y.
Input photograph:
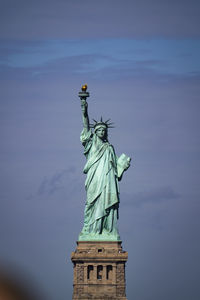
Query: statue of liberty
{"type": "Point", "coordinates": [103, 169]}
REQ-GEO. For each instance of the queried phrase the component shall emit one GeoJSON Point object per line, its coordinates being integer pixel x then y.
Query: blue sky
{"type": "Point", "coordinates": [163, 55]}
{"type": "Point", "coordinates": [141, 62]}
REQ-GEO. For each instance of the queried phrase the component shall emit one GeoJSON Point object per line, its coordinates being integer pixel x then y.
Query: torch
{"type": "Point", "coordinates": [83, 94]}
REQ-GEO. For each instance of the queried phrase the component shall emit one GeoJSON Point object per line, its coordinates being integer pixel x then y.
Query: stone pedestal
{"type": "Point", "coordinates": [99, 271]}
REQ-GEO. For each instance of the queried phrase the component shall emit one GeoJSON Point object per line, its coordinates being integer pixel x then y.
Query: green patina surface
{"type": "Point", "coordinates": [103, 170]}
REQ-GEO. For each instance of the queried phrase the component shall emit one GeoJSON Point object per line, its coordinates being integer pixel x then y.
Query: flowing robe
{"type": "Point", "coordinates": [101, 210]}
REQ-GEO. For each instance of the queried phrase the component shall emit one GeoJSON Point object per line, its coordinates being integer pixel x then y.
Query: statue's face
{"type": "Point", "coordinates": [101, 132]}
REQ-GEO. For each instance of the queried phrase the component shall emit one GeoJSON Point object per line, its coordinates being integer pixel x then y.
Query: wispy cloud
{"type": "Point", "coordinates": [116, 57]}
{"type": "Point", "coordinates": [156, 196]}
{"type": "Point", "coordinates": [50, 185]}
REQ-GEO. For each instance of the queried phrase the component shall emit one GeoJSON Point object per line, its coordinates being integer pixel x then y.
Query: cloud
{"type": "Point", "coordinates": [50, 185]}
{"type": "Point", "coordinates": [155, 196]}
{"type": "Point", "coordinates": [97, 59]}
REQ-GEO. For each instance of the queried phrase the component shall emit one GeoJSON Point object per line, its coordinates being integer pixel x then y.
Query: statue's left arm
{"type": "Point", "coordinates": [123, 163]}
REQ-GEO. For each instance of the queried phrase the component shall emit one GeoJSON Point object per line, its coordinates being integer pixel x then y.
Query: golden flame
{"type": "Point", "coordinates": [84, 87]}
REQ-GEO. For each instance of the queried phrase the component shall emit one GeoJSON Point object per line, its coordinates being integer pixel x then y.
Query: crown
{"type": "Point", "coordinates": [101, 123]}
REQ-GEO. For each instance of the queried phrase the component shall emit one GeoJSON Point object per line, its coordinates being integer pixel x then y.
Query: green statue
{"type": "Point", "coordinates": [103, 169]}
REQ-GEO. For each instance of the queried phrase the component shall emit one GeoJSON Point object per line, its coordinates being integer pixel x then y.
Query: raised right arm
{"type": "Point", "coordinates": [84, 108]}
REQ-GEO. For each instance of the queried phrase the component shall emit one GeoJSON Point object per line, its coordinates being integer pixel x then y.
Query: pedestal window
{"type": "Point", "coordinates": [109, 272]}
{"type": "Point", "coordinates": [99, 272]}
{"type": "Point", "coordinates": [90, 270]}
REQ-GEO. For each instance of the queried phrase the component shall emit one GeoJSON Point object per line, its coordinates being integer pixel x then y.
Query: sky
{"type": "Point", "coordinates": [141, 62]}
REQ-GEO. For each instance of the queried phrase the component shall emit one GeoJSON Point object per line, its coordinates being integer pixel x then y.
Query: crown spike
{"type": "Point", "coordinates": [101, 122]}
